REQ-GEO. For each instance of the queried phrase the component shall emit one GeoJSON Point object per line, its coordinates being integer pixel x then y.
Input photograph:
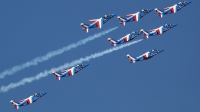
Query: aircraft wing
{"type": "Point", "coordinates": [135, 16]}
{"type": "Point", "coordinates": [29, 100]}
{"type": "Point", "coordinates": [71, 71]}
{"type": "Point", "coordinates": [172, 9]}
{"type": "Point", "coordinates": [98, 22]}
{"type": "Point", "coordinates": [146, 55]}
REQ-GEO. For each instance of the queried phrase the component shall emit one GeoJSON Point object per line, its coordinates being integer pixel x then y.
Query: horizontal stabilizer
{"type": "Point", "coordinates": [146, 34]}
{"type": "Point", "coordinates": [160, 13]}
{"type": "Point", "coordinates": [131, 58]}
{"type": "Point", "coordinates": [113, 42]}
{"type": "Point", "coordinates": [16, 105]}
{"type": "Point", "coordinates": [85, 27]}
{"type": "Point", "coordinates": [56, 75]}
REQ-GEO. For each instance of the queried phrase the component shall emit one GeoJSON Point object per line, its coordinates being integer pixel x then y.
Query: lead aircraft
{"type": "Point", "coordinates": [172, 9]}
{"type": "Point", "coordinates": [31, 99]}
{"type": "Point", "coordinates": [69, 72]}
{"type": "Point", "coordinates": [134, 17]}
{"type": "Point", "coordinates": [145, 56]}
{"type": "Point", "coordinates": [97, 22]}
{"type": "Point", "coordinates": [158, 31]}
{"type": "Point", "coordinates": [124, 39]}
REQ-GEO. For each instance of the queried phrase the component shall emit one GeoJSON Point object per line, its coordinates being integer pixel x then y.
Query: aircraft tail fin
{"type": "Point", "coordinates": [146, 34]}
{"type": "Point", "coordinates": [133, 60]}
{"type": "Point", "coordinates": [58, 77]}
{"type": "Point", "coordinates": [16, 105]}
{"type": "Point", "coordinates": [122, 20]}
{"type": "Point", "coordinates": [85, 27]}
{"type": "Point", "coordinates": [113, 42]}
{"type": "Point", "coordinates": [160, 13]}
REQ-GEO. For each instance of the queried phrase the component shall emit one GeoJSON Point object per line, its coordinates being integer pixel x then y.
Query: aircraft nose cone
{"type": "Point", "coordinates": [44, 93]}
{"type": "Point", "coordinates": [161, 50]}
{"type": "Point", "coordinates": [175, 24]}
{"type": "Point", "coordinates": [151, 10]}
{"type": "Point", "coordinates": [114, 15]}
{"type": "Point", "coordinates": [86, 64]}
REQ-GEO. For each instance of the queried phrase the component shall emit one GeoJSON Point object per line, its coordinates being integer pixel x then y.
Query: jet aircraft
{"type": "Point", "coordinates": [145, 56]}
{"type": "Point", "coordinates": [124, 39]}
{"type": "Point", "coordinates": [172, 9]}
{"type": "Point", "coordinates": [70, 72]}
{"type": "Point", "coordinates": [158, 31]}
{"type": "Point", "coordinates": [97, 22]}
{"type": "Point", "coordinates": [31, 99]}
{"type": "Point", "coordinates": [134, 17]}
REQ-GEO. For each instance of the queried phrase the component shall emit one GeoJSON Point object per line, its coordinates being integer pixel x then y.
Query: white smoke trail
{"type": "Point", "coordinates": [67, 65]}
{"type": "Point", "coordinates": [53, 53]}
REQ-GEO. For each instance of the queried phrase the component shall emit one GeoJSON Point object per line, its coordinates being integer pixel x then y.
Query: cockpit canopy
{"type": "Point", "coordinates": [135, 32]}
{"type": "Point", "coordinates": [107, 15]}
{"type": "Point", "coordinates": [168, 25]}
{"type": "Point", "coordinates": [180, 3]}
{"type": "Point", "coordinates": [38, 94]}
{"type": "Point", "coordinates": [145, 10]}
{"type": "Point", "coordinates": [154, 50]}
{"type": "Point", "coordinates": [79, 65]}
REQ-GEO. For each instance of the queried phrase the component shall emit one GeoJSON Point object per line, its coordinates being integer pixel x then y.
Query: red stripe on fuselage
{"type": "Point", "coordinates": [28, 101]}
{"type": "Point", "coordinates": [173, 10]}
{"type": "Point", "coordinates": [70, 72]}
{"type": "Point", "coordinates": [126, 39]}
{"type": "Point", "coordinates": [135, 19]}
{"type": "Point", "coordinates": [145, 56]}
{"type": "Point", "coordinates": [158, 31]}
{"type": "Point", "coordinates": [98, 24]}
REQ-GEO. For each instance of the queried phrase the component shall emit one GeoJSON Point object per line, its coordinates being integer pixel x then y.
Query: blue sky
{"type": "Point", "coordinates": [167, 82]}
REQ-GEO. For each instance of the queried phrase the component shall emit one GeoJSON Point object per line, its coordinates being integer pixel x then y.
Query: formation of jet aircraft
{"type": "Point", "coordinates": [127, 38]}
{"type": "Point", "coordinates": [172, 9]}
{"type": "Point", "coordinates": [134, 34]}
{"type": "Point", "coordinates": [133, 17]}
